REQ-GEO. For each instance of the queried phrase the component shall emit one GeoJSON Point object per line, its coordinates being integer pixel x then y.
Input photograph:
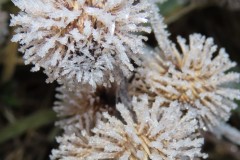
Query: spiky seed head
{"type": "Point", "coordinates": [144, 132]}
{"type": "Point", "coordinates": [81, 108]}
{"type": "Point", "coordinates": [80, 40]}
{"type": "Point", "coordinates": [195, 74]}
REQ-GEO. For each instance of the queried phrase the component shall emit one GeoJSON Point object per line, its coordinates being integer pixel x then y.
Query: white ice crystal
{"type": "Point", "coordinates": [145, 132]}
{"type": "Point", "coordinates": [159, 27]}
{"type": "Point", "coordinates": [80, 40]}
{"type": "Point", "coordinates": [3, 25]}
{"type": "Point", "coordinates": [196, 75]}
{"type": "Point", "coordinates": [80, 109]}
{"type": "Point", "coordinates": [227, 131]}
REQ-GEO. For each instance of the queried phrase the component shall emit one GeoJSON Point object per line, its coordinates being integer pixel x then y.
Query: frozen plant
{"type": "Point", "coordinates": [80, 40]}
{"type": "Point", "coordinates": [159, 27]}
{"type": "Point", "coordinates": [90, 46]}
{"type": "Point", "coordinates": [81, 108]}
{"type": "Point", "coordinates": [149, 132]}
{"type": "Point", "coordinates": [192, 75]}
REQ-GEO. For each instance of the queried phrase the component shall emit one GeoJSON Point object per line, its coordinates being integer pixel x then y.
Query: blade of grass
{"type": "Point", "coordinates": [172, 10]}
{"type": "Point", "coordinates": [34, 121]}
{"type": "Point", "coordinates": [10, 62]}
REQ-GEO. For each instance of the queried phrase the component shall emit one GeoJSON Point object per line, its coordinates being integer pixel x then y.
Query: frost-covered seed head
{"type": "Point", "coordinates": [193, 75]}
{"type": "Point", "coordinates": [80, 109]}
{"type": "Point", "coordinates": [149, 132]}
{"type": "Point", "coordinates": [80, 40]}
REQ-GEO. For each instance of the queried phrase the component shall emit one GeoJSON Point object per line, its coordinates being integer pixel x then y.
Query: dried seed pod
{"type": "Point", "coordinates": [80, 40]}
{"type": "Point", "coordinates": [195, 75]}
{"type": "Point", "coordinates": [81, 108]}
{"type": "Point", "coordinates": [149, 132]}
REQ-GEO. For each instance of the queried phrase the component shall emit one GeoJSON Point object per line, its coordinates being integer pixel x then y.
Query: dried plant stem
{"type": "Point", "coordinates": [184, 11]}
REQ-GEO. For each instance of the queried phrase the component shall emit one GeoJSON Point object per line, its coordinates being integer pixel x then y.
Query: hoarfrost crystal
{"type": "Point", "coordinates": [159, 27]}
{"type": "Point", "coordinates": [155, 133]}
{"type": "Point", "coordinates": [193, 75]}
{"type": "Point", "coordinates": [80, 40]}
{"type": "Point", "coordinates": [80, 109]}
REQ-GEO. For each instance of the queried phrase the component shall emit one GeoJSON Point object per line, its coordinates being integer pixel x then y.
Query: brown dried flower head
{"type": "Point", "coordinates": [145, 132]}
{"type": "Point", "coordinates": [80, 40]}
{"type": "Point", "coordinates": [192, 75]}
